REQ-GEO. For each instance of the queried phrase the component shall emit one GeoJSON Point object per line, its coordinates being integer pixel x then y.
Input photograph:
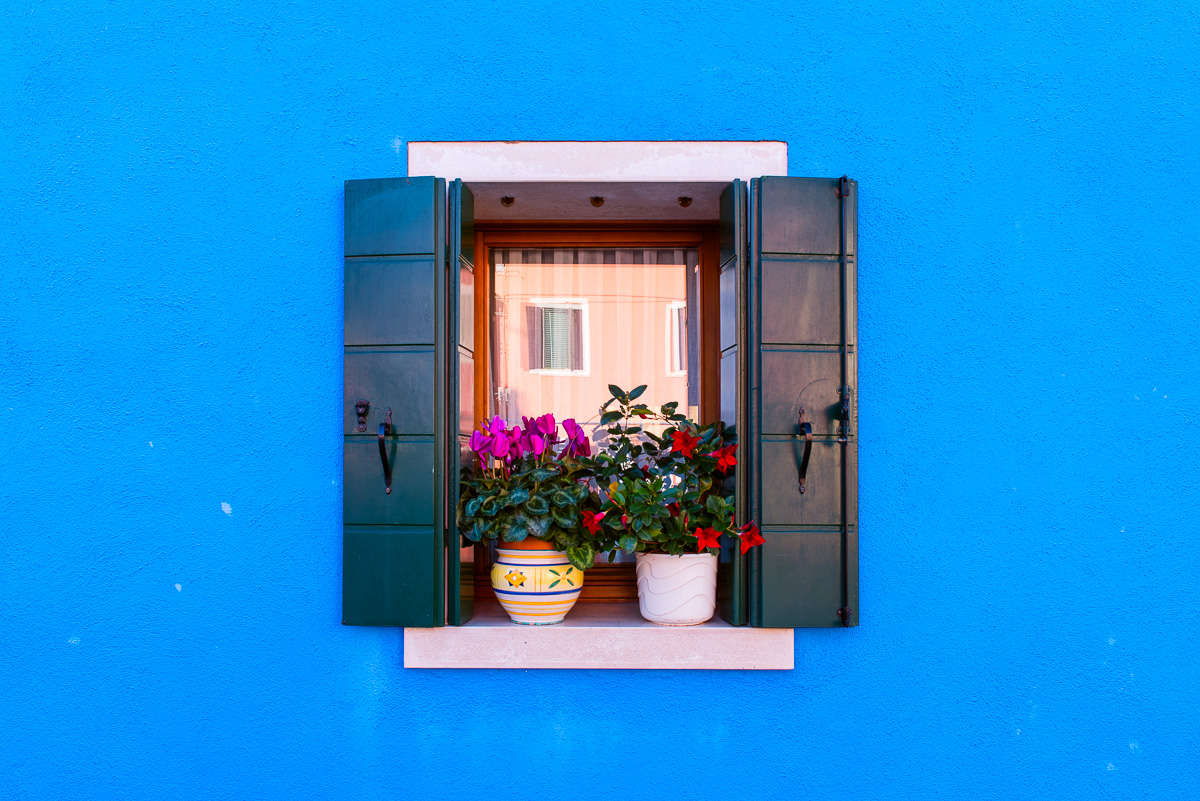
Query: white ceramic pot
{"type": "Point", "coordinates": [677, 590]}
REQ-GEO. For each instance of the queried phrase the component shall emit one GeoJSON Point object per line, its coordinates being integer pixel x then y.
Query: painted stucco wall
{"type": "Point", "coordinates": [170, 369]}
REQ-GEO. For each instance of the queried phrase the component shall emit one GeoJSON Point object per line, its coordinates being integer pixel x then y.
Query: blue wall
{"type": "Point", "coordinates": [170, 371]}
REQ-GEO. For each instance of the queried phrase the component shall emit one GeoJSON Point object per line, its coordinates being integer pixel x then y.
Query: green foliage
{"type": "Point", "coordinates": [582, 556]}
{"type": "Point", "coordinates": [645, 491]}
{"type": "Point", "coordinates": [537, 496]}
{"type": "Point", "coordinates": [653, 489]}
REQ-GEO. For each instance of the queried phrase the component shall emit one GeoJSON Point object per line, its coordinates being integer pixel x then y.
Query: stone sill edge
{"type": "Point", "coordinates": [626, 642]}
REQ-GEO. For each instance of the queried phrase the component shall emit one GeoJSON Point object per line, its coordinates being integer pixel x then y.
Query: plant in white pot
{"type": "Point", "coordinates": [661, 497]}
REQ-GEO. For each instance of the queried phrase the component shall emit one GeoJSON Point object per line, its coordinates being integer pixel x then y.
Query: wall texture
{"type": "Point", "coordinates": [170, 366]}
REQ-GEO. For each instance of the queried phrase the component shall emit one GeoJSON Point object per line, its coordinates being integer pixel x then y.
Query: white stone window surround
{"type": "Point", "coordinates": [676, 338]}
{"type": "Point", "coordinates": [600, 635]}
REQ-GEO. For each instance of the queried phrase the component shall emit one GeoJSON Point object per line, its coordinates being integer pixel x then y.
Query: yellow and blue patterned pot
{"type": "Point", "coordinates": [535, 587]}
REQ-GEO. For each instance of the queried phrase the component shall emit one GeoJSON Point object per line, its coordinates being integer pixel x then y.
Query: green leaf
{"type": "Point", "coordinates": [637, 392]}
{"type": "Point", "coordinates": [538, 526]}
{"type": "Point", "coordinates": [616, 391]}
{"type": "Point", "coordinates": [564, 519]}
{"type": "Point", "coordinates": [668, 409]}
{"type": "Point", "coordinates": [714, 504]}
{"type": "Point", "coordinates": [543, 473]}
{"type": "Point", "coordinates": [518, 495]}
{"type": "Point", "coordinates": [514, 533]}
{"type": "Point", "coordinates": [627, 543]}
{"type": "Point", "coordinates": [562, 499]}
{"type": "Point", "coordinates": [582, 556]}
{"type": "Point", "coordinates": [472, 507]}
{"type": "Point", "coordinates": [580, 491]}
{"type": "Point", "coordinates": [610, 417]}
{"type": "Point", "coordinates": [633, 430]}
{"type": "Point", "coordinates": [536, 506]}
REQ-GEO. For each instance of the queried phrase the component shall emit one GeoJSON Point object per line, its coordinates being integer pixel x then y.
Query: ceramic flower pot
{"type": "Point", "coordinates": [677, 590]}
{"type": "Point", "coordinates": [535, 584]}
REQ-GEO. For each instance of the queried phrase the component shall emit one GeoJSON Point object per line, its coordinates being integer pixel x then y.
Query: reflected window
{"type": "Point", "coordinates": [557, 336]}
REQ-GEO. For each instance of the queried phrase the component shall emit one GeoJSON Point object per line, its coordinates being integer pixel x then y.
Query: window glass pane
{"type": "Point", "coordinates": [556, 336]}
{"type": "Point", "coordinates": [606, 316]}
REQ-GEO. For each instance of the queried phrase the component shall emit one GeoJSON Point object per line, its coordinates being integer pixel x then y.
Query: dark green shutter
{"type": "Point", "coordinates": [398, 355]}
{"type": "Point", "coordinates": [461, 369]}
{"type": "Point", "coordinates": [731, 570]}
{"type": "Point", "coordinates": [802, 333]}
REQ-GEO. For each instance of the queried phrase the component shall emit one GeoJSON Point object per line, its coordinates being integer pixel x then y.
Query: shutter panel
{"type": "Point", "coordinates": [394, 357]}
{"type": "Point", "coordinates": [802, 328]}
{"type": "Point", "coordinates": [533, 325]}
{"type": "Point", "coordinates": [576, 339]}
{"type": "Point", "coordinates": [731, 569]}
{"type": "Point", "coordinates": [460, 552]}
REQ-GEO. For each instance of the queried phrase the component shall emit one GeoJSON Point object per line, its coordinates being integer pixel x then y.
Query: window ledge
{"type": "Point", "coordinates": [597, 635]}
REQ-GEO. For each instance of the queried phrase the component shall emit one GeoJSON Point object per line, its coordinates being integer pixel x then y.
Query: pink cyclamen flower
{"type": "Point", "coordinates": [501, 445]}
{"type": "Point", "coordinates": [548, 428]}
{"type": "Point", "coordinates": [577, 440]}
{"type": "Point", "coordinates": [537, 444]}
{"type": "Point", "coordinates": [481, 443]}
{"type": "Point", "coordinates": [520, 442]}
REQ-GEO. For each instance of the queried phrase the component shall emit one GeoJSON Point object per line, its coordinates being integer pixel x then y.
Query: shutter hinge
{"type": "Point", "coordinates": [844, 428]}
{"type": "Point", "coordinates": [843, 189]}
{"type": "Point", "coordinates": [844, 615]}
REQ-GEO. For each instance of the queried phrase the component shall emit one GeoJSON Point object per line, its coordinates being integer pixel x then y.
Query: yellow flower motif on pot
{"type": "Point", "coordinates": [515, 578]}
{"type": "Point", "coordinates": [564, 576]}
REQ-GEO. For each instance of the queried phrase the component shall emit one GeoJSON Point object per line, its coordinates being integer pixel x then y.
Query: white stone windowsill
{"type": "Point", "coordinates": [597, 635]}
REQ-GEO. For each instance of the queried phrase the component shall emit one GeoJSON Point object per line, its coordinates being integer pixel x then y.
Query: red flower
{"type": "Point", "coordinates": [591, 520]}
{"type": "Point", "coordinates": [707, 538]}
{"type": "Point", "coordinates": [725, 457]}
{"type": "Point", "coordinates": [683, 442]}
{"type": "Point", "coordinates": [673, 508]}
{"type": "Point", "coordinates": [750, 536]}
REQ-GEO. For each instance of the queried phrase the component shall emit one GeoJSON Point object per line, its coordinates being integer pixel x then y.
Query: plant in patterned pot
{"type": "Point", "coordinates": [661, 497]}
{"type": "Point", "coordinates": [525, 490]}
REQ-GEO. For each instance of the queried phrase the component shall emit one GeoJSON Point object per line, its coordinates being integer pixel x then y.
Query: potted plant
{"type": "Point", "coordinates": [525, 489]}
{"type": "Point", "coordinates": [661, 497]}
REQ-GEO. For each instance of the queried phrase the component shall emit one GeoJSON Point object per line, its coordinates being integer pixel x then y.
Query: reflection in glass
{"type": "Point", "coordinates": [569, 322]}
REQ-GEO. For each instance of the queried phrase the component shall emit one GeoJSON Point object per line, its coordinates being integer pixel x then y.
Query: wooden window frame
{"type": "Point", "coordinates": [605, 583]}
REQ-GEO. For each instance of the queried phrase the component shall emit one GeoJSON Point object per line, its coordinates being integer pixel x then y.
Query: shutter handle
{"type": "Point", "coordinates": [804, 427]}
{"type": "Point", "coordinates": [385, 428]}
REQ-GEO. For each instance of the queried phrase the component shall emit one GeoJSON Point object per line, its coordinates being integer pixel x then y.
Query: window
{"type": "Point", "coordinates": [677, 338]}
{"type": "Point", "coordinates": [619, 281]}
{"type": "Point", "coordinates": [557, 334]}
{"type": "Point", "coordinates": [781, 329]}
